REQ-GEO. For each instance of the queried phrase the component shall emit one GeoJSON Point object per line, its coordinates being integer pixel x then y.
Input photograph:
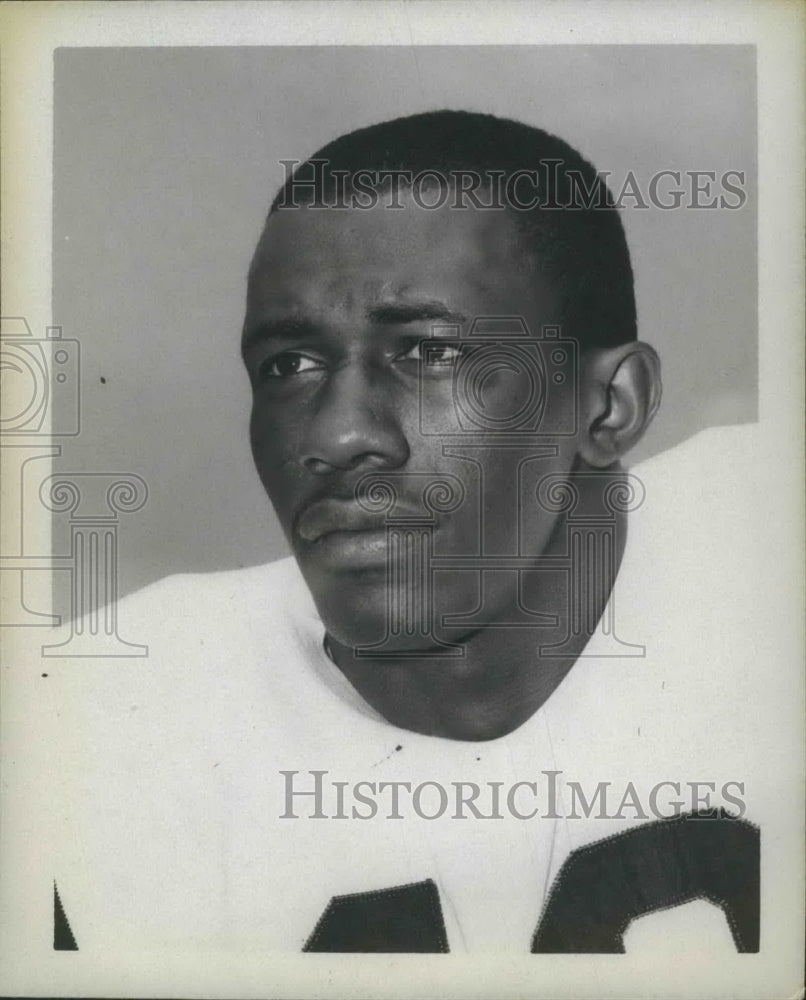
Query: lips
{"type": "Point", "coordinates": [325, 517]}
{"type": "Point", "coordinates": [341, 535]}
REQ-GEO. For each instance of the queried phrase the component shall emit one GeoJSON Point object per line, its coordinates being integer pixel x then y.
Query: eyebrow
{"type": "Point", "coordinates": [283, 328]}
{"type": "Point", "coordinates": [385, 314]}
{"type": "Point", "coordinates": [389, 313]}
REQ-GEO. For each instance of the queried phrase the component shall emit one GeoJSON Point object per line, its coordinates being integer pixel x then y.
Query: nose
{"type": "Point", "coordinates": [355, 424]}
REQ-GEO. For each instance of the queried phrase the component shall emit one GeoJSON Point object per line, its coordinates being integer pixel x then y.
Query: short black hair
{"type": "Point", "coordinates": [574, 230]}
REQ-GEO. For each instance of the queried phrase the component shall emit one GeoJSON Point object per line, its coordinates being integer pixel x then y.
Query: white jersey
{"type": "Point", "coordinates": [182, 818]}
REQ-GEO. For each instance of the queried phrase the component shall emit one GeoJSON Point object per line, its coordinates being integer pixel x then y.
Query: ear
{"type": "Point", "coordinates": [621, 394]}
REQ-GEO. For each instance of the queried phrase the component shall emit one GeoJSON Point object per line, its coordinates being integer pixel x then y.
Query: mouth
{"type": "Point", "coordinates": [341, 535]}
{"type": "Point", "coordinates": [333, 517]}
{"type": "Point", "coordinates": [344, 549]}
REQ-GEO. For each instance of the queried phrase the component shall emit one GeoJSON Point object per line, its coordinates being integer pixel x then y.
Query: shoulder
{"type": "Point", "coordinates": [696, 608]}
{"type": "Point", "coordinates": [155, 732]}
{"type": "Point", "coordinates": [216, 606]}
{"type": "Point", "coordinates": [696, 501]}
{"type": "Point", "coordinates": [184, 643]}
{"type": "Point", "coordinates": [191, 594]}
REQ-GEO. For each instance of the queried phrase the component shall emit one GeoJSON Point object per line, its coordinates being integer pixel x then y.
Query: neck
{"type": "Point", "coordinates": [507, 671]}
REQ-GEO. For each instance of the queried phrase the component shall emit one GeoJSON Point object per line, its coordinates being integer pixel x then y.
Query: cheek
{"type": "Point", "coordinates": [515, 520]}
{"type": "Point", "coordinates": [539, 517]}
{"type": "Point", "coordinates": [270, 427]}
{"type": "Point", "coordinates": [274, 443]}
{"type": "Point", "coordinates": [500, 395]}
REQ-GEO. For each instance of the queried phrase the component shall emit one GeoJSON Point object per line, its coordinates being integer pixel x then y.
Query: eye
{"type": "Point", "coordinates": [433, 353]}
{"type": "Point", "coordinates": [287, 364]}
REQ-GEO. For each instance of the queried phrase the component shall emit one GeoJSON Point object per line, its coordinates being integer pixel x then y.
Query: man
{"type": "Point", "coordinates": [440, 337]}
{"type": "Point", "coordinates": [337, 316]}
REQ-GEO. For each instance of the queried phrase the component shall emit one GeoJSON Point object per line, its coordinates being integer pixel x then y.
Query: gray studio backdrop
{"type": "Point", "coordinates": [165, 161]}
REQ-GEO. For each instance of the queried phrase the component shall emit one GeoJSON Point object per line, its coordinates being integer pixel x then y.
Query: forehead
{"type": "Point", "coordinates": [348, 259]}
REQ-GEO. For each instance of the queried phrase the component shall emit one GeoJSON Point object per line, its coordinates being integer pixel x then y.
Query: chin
{"type": "Point", "coordinates": [354, 612]}
{"type": "Point", "coordinates": [357, 610]}
{"type": "Point", "coordinates": [366, 623]}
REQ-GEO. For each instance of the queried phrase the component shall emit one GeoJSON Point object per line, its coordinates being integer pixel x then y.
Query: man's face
{"type": "Point", "coordinates": [339, 302]}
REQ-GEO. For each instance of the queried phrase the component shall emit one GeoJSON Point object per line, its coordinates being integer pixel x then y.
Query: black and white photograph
{"type": "Point", "coordinates": [402, 528]}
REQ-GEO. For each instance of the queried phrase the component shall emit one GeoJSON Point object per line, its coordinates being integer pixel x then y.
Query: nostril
{"type": "Point", "coordinates": [373, 459]}
{"type": "Point", "coordinates": [319, 466]}
{"type": "Point", "coordinates": [349, 429]}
